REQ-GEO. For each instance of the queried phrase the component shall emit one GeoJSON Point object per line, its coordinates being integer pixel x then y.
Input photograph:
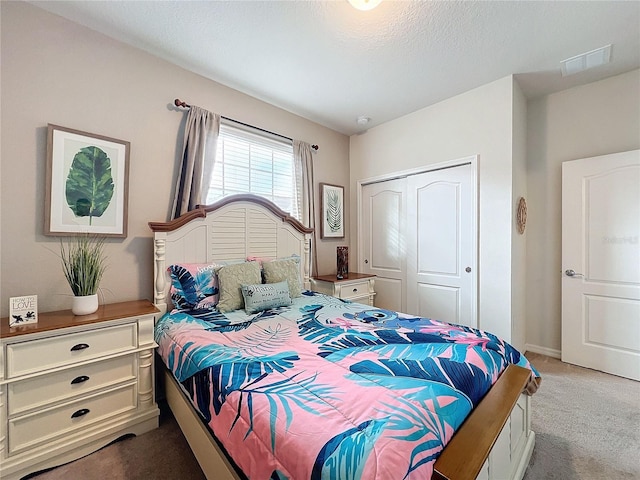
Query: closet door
{"type": "Point", "coordinates": [442, 245]}
{"type": "Point", "coordinates": [382, 244]}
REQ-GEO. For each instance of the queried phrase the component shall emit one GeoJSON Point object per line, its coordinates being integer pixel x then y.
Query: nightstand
{"type": "Point", "coordinates": [70, 385]}
{"type": "Point", "coordinates": [357, 287]}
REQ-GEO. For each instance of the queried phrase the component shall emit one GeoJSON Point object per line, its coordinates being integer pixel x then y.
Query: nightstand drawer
{"type": "Point", "coordinates": [354, 289]}
{"type": "Point", "coordinates": [46, 389]}
{"type": "Point", "coordinates": [30, 430]}
{"type": "Point", "coordinates": [365, 300]}
{"type": "Point", "coordinates": [39, 355]}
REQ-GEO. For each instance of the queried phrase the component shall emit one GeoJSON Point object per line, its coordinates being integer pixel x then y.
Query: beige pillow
{"type": "Point", "coordinates": [230, 281]}
{"type": "Point", "coordinates": [279, 270]}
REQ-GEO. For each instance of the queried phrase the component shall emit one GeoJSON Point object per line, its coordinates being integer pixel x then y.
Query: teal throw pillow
{"type": "Point", "coordinates": [263, 296]}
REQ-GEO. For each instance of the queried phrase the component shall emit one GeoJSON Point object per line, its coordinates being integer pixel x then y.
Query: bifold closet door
{"type": "Point", "coordinates": [441, 264]}
{"type": "Point", "coordinates": [382, 225]}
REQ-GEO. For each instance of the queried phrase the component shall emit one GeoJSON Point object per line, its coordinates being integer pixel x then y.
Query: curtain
{"type": "Point", "coordinates": [198, 156]}
{"type": "Point", "coordinates": [303, 165]}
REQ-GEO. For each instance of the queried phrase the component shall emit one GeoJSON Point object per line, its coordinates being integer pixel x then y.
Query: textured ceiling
{"type": "Point", "coordinates": [330, 63]}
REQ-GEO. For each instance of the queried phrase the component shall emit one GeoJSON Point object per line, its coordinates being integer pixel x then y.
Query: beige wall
{"type": "Point", "coordinates": [477, 122]}
{"type": "Point", "coordinates": [594, 119]}
{"type": "Point", "coordinates": [518, 241]}
{"type": "Point", "coordinates": [54, 71]}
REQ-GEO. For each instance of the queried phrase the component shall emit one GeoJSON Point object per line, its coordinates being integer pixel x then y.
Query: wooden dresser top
{"type": "Point", "coordinates": [64, 318]}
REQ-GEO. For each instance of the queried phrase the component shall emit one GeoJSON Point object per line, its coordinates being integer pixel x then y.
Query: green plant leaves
{"type": "Point", "coordinates": [83, 263]}
{"type": "Point", "coordinates": [89, 186]}
{"type": "Point", "coordinates": [334, 211]}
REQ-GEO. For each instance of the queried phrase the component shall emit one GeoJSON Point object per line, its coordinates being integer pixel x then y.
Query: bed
{"type": "Point", "coordinates": [333, 389]}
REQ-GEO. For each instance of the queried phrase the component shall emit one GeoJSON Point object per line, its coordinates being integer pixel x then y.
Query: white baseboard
{"type": "Point", "coordinates": [549, 352]}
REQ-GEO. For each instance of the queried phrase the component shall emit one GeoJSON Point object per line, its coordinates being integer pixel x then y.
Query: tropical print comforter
{"type": "Point", "coordinates": [326, 389]}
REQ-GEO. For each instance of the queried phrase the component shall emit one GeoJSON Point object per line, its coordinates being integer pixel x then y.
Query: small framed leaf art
{"type": "Point", "coordinates": [87, 184]}
{"type": "Point", "coordinates": [332, 200]}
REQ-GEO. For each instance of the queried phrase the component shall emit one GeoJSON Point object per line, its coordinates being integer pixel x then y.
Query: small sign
{"type": "Point", "coordinates": [23, 310]}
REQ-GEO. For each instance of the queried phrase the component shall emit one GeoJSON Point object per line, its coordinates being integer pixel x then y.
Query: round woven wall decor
{"type": "Point", "coordinates": [521, 215]}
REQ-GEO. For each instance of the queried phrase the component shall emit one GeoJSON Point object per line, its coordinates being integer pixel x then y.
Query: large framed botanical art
{"type": "Point", "coordinates": [332, 211]}
{"type": "Point", "coordinates": [87, 184]}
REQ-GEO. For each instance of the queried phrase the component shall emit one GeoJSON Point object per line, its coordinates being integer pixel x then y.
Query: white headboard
{"type": "Point", "coordinates": [236, 227]}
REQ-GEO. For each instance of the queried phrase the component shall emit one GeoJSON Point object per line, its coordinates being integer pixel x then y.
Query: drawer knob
{"type": "Point", "coordinates": [80, 413]}
{"type": "Point", "coordinates": [80, 379]}
{"type": "Point", "coordinates": [355, 289]}
{"type": "Point", "coordinates": [79, 346]}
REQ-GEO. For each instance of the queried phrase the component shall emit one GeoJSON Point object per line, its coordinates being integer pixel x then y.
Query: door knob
{"type": "Point", "coordinates": [572, 273]}
{"type": "Point", "coordinates": [468, 269]}
{"type": "Point", "coordinates": [366, 261]}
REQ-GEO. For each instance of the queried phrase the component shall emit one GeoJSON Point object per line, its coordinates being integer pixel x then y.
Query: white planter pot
{"type": "Point", "coordinates": [85, 305]}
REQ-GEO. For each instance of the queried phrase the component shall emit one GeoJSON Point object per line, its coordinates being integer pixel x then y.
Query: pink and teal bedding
{"type": "Point", "coordinates": [193, 285]}
{"type": "Point", "coordinates": [326, 389]}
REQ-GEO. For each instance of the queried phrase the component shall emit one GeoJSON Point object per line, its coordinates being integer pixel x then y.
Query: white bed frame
{"type": "Point", "coordinates": [494, 443]}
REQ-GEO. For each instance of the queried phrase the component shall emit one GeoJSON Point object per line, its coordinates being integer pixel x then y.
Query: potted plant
{"type": "Point", "coordinates": [83, 264]}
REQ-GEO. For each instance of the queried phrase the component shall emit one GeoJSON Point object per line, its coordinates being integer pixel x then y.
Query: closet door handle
{"type": "Point", "coordinates": [80, 379]}
{"type": "Point", "coordinates": [80, 413]}
{"type": "Point", "coordinates": [79, 346]}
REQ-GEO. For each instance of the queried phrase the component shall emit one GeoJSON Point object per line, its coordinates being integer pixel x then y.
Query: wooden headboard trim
{"type": "Point", "coordinates": [176, 223]}
{"type": "Point", "coordinates": [202, 210]}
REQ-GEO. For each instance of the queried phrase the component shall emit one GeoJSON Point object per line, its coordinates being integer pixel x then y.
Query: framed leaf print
{"type": "Point", "coordinates": [87, 184]}
{"type": "Point", "coordinates": [332, 211]}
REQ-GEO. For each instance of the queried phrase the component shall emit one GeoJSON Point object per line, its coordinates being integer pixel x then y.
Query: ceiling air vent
{"type": "Point", "coordinates": [584, 61]}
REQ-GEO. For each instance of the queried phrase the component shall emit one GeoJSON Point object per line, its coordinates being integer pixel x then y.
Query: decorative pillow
{"type": "Point", "coordinates": [262, 260]}
{"type": "Point", "coordinates": [194, 285]}
{"type": "Point", "coordinates": [230, 280]}
{"type": "Point", "coordinates": [262, 296]}
{"type": "Point", "coordinates": [278, 270]}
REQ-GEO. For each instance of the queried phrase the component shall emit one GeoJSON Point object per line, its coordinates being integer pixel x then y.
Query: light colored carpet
{"type": "Point", "coordinates": [587, 427]}
{"type": "Point", "coordinates": [161, 454]}
{"type": "Point", "coordinates": [587, 424]}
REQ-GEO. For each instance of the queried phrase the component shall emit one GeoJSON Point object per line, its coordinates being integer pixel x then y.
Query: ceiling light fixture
{"type": "Point", "coordinates": [364, 4]}
{"type": "Point", "coordinates": [363, 120]}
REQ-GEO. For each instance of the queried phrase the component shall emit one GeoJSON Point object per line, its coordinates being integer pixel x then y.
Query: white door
{"type": "Point", "coordinates": [382, 219]}
{"type": "Point", "coordinates": [601, 263]}
{"type": "Point", "coordinates": [441, 245]}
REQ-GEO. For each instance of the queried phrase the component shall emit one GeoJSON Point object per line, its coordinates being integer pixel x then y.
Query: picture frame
{"type": "Point", "coordinates": [23, 310]}
{"type": "Point", "coordinates": [331, 211]}
{"type": "Point", "coordinates": [87, 184]}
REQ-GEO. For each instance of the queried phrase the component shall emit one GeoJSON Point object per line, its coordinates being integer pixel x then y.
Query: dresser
{"type": "Point", "coordinates": [357, 287]}
{"type": "Point", "coordinates": [70, 385]}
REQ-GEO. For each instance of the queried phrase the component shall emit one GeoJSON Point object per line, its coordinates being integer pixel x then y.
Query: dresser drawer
{"type": "Point", "coordinates": [365, 300]}
{"type": "Point", "coordinates": [354, 290]}
{"type": "Point", "coordinates": [39, 355]}
{"type": "Point", "coordinates": [30, 430]}
{"type": "Point", "coordinates": [46, 389]}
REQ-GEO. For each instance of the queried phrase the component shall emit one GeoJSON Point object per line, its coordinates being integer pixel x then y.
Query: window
{"type": "Point", "coordinates": [250, 161]}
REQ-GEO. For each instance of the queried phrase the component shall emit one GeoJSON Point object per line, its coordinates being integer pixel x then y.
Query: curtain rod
{"type": "Point", "coordinates": [179, 103]}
